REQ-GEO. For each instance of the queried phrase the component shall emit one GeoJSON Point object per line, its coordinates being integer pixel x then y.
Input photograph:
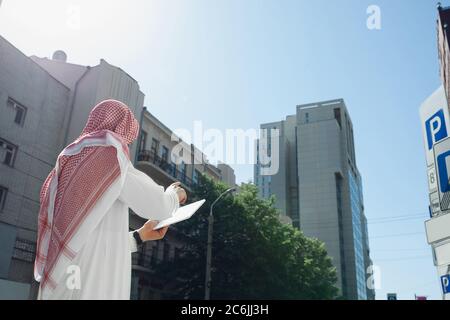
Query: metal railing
{"type": "Point", "coordinates": [163, 164]}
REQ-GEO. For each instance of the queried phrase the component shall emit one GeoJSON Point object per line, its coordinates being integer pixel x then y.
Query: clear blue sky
{"type": "Point", "coordinates": [236, 64]}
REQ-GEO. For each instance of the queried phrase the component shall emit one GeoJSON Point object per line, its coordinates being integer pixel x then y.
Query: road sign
{"type": "Point", "coordinates": [435, 204]}
{"type": "Point", "coordinates": [432, 179]}
{"type": "Point", "coordinates": [435, 121]}
{"type": "Point", "coordinates": [437, 229]}
{"type": "Point", "coordinates": [436, 129]}
{"type": "Point", "coordinates": [392, 296]}
{"type": "Point", "coordinates": [445, 282]}
{"type": "Point", "coordinates": [442, 161]}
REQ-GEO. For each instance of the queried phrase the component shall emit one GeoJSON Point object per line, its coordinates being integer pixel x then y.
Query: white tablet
{"type": "Point", "coordinates": [183, 213]}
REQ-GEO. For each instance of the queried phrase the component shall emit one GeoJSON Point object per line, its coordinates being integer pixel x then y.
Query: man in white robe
{"type": "Point", "coordinates": [84, 243]}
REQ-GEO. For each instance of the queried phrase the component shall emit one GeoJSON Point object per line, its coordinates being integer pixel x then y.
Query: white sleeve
{"type": "Point", "coordinates": [146, 198]}
{"type": "Point", "coordinates": [133, 244]}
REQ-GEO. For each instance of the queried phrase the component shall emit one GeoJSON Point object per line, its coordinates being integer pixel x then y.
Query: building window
{"type": "Point", "coordinates": [337, 116]}
{"type": "Point", "coordinates": [24, 250]}
{"type": "Point", "coordinates": [143, 141]}
{"type": "Point", "coordinates": [269, 142]}
{"type": "Point", "coordinates": [3, 192]}
{"type": "Point", "coordinates": [183, 171]}
{"type": "Point", "coordinates": [339, 181]}
{"type": "Point", "coordinates": [7, 152]}
{"type": "Point", "coordinates": [155, 146]}
{"type": "Point", "coordinates": [20, 110]}
{"type": "Point", "coordinates": [165, 154]}
{"type": "Point", "coordinates": [196, 176]}
{"type": "Point", "coordinates": [355, 206]}
{"type": "Point", "coordinates": [166, 251]}
{"type": "Point", "coordinates": [307, 117]}
{"type": "Point", "coordinates": [155, 250]}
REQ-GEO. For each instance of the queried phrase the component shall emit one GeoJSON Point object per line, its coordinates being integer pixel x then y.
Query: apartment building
{"type": "Point", "coordinates": [44, 105]}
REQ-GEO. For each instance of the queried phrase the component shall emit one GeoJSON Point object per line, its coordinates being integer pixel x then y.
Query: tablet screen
{"type": "Point", "coordinates": [183, 213]}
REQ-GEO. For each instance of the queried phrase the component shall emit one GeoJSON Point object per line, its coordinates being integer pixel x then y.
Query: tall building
{"type": "Point", "coordinates": [431, 108]}
{"type": "Point", "coordinates": [443, 29]}
{"type": "Point", "coordinates": [45, 104]}
{"type": "Point", "coordinates": [227, 174]}
{"type": "Point", "coordinates": [33, 110]}
{"type": "Point", "coordinates": [318, 186]}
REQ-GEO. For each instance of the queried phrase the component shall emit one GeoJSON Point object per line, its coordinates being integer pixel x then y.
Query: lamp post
{"type": "Point", "coordinates": [209, 245]}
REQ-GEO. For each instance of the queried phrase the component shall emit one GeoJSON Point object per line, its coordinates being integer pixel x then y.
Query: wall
{"type": "Point", "coordinates": [38, 142]}
{"type": "Point", "coordinates": [318, 161]}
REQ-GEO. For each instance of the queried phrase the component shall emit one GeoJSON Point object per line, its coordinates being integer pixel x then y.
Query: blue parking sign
{"type": "Point", "coordinates": [435, 118]}
{"type": "Point", "coordinates": [444, 181]}
{"type": "Point", "coordinates": [445, 281]}
{"type": "Point", "coordinates": [436, 128]}
{"type": "Point", "coordinates": [442, 161]}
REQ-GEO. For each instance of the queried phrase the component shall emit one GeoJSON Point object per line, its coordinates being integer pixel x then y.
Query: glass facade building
{"type": "Point", "coordinates": [318, 186]}
{"type": "Point", "coordinates": [356, 208]}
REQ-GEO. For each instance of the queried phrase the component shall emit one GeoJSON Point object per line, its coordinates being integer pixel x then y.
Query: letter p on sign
{"type": "Point", "coordinates": [436, 128]}
{"type": "Point", "coordinates": [445, 281]}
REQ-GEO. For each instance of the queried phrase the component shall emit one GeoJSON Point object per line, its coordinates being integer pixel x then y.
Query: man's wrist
{"type": "Point", "coordinates": [137, 236]}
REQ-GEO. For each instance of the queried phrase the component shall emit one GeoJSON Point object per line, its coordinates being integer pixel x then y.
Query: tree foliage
{"type": "Point", "coordinates": [255, 256]}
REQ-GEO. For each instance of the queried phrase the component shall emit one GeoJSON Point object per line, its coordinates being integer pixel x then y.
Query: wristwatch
{"type": "Point", "coordinates": [137, 237]}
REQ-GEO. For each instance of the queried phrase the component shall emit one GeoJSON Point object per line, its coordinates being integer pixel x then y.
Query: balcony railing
{"type": "Point", "coordinates": [164, 165]}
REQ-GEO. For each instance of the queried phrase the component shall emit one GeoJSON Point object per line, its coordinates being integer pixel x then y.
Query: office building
{"type": "Point", "coordinates": [318, 186]}
{"type": "Point", "coordinates": [443, 42]}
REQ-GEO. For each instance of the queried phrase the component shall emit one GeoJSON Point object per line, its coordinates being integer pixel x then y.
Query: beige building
{"type": "Point", "coordinates": [88, 86]}
{"type": "Point", "coordinates": [33, 110]}
{"type": "Point", "coordinates": [166, 159]}
{"type": "Point", "coordinates": [228, 175]}
{"type": "Point", "coordinates": [44, 105]}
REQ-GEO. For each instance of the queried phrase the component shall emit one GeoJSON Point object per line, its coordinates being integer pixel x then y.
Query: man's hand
{"type": "Point", "coordinates": [182, 196]}
{"type": "Point", "coordinates": [147, 233]}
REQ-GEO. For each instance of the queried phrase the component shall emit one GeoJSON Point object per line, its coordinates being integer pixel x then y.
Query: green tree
{"type": "Point", "coordinates": [255, 256]}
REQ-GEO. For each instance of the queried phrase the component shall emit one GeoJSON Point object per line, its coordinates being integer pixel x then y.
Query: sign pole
{"type": "Point", "coordinates": [435, 120]}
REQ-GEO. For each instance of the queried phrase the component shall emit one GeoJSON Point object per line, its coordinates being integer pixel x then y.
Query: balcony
{"type": "Point", "coordinates": [161, 170]}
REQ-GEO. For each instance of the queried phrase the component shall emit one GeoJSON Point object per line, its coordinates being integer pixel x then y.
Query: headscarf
{"type": "Point", "coordinates": [83, 173]}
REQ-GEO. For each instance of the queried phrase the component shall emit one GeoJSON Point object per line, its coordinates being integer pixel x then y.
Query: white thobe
{"type": "Point", "coordinates": [102, 268]}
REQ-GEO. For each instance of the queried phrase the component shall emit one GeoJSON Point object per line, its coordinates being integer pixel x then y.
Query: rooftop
{"type": "Point", "coordinates": [321, 104]}
{"type": "Point", "coordinates": [444, 15]}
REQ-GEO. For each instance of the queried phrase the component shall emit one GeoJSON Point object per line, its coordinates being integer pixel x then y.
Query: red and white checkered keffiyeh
{"type": "Point", "coordinates": [84, 171]}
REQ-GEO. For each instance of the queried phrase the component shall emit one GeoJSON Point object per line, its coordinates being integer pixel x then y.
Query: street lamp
{"type": "Point", "coordinates": [209, 245]}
